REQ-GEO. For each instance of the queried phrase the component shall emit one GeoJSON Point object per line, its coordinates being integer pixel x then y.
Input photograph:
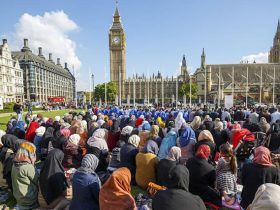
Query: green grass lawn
{"type": "Point", "coordinates": [52, 114]}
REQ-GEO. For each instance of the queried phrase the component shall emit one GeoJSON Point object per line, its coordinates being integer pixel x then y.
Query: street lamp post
{"type": "Point", "coordinates": [273, 86]}
{"type": "Point", "coordinates": [260, 77]}
{"type": "Point", "coordinates": [176, 91]}
{"type": "Point", "coordinates": [190, 90]}
{"type": "Point", "coordinates": [92, 78]}
{"type": "Point", "coordinates": [205, 86]}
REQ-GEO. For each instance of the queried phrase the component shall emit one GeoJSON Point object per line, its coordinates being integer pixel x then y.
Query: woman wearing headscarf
{"type": "Point", "coordinates": [97, 145]}
{"type": "Point", "coordinates": [46, 139]}
{"type": "Point", "coordinates": [146, 162]}
{"type": "Point", "coordinates": [154, 134]}
{"type": "Point", "coordinates": [115, 193]}
{"type": "Point", "coordinates": [92, 126]}
{"type": "Point", "coordinates": [195, 125]}
{"type": "Point", "coordinates": [264, 125]}
{"type": "Point", "coordinates": [128, 155]}
{"type": "Point", "coordinates": [82, 132]}
{"type": "Point", "coordinates": [166, 164]}
{"type": "Point", "coordinates": [167, 142]}
{"type": "Point", "coordinates": [30, 133]}
{"type": "Point", "coordinates": [113, 134]}
{"type": "Point", "coordinates": [24, 177]}
{"type": "Point", "coordinates": [52, 182]}
{"type": "Point", "coordinates": [177, 196]}
{"type": "Point", "coordinates": [72, 152]}
{"type": "Point", "coordinates": [203, 176]}
{"type": "Point", "coordinates": [86, 185]}
{"type": "Point", "coordinates": [144, 134]}
{"type": "Point", "coordinates": [20, 130]}
{"type": "Point", "coordinates": [205, 138]}
{"type": "Point", "coordinates": [125, 134]}
{"type": "Point", "coordinates": [8, 151]}
{"type": "Point", "coordinates": [38, 139]}
{"type": "Point", "coordinates": [179, 121]}
{"type": "Point", "coordinates": [186, 142]}
{"type": "Point", "coordinates": [267, 197]}
{"type": "Point", "coordinates": [220, 136]}
{"type": "Point", "coordinates": [262, 170]}
{"type": "Point", "coordinates": [273, 140]}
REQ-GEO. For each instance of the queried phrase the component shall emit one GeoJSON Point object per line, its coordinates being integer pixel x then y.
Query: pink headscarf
{"type": "Point", "coordinates": [262, 156]}
{"type": "Point", "coordinates": [65, 132]}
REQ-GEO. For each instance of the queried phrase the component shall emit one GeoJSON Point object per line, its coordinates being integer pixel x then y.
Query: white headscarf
{"type": "Point", "coordinates": [75, 139]}
{"type": "Point", "coordinates": [40, 131]}
{"type": "Point", "coordinates": [127, 130]}
{"type": "Point", "coordinates": [134, 140]}
{"type": "Point", "coordinates": [267, 197]}
{"type": "Point", "coordinates": [179, 121]}
{"type": "Point", "coordinates": [98, 139]}
{"type": "Point", "coordinates": [57, 118]}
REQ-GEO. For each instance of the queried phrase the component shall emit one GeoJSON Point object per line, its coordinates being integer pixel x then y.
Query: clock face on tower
{"type": "Point", "coordinates": [116, 40]}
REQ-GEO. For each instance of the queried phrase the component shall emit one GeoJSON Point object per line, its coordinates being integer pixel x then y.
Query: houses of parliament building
{"type": "Point", "coordinates": [258, 81]}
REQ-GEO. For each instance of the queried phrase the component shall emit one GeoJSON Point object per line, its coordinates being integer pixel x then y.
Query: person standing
{"type": "Point", "coordinates": [18, 110]}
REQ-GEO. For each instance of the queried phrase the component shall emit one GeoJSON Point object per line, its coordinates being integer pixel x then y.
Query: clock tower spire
{"type": "Point", "coordinates": [117, 48]}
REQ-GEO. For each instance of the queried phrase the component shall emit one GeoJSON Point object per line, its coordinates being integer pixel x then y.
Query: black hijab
{"type": "Point", "coordinates": [52, 179]}
{"type": "Point", "coordinates": [48, 136]}
{"type": "Point", "coordinates": [179, 178]}
{"type": "Point", "coordinates": [177, 196]}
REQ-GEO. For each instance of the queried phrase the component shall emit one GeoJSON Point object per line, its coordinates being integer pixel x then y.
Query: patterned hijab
{"type": "Point", "coordinates": [89, 164]}
{"type": "Point", "coordinates": [26, 154]}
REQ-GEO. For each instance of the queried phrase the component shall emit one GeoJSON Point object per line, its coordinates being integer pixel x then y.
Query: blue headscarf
{"type": "Point", "coordinates": [168, 141]}
{"type": "Point", "coordinates": [186, 137]}
{"type": "Point", "coordinates": [151, 147]}
{"type": "Point", "coordinates": [20, 125]}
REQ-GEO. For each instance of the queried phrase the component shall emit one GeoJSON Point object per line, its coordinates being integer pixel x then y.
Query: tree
{"type": "Point", "coordinates": [185, 90]}
{"type": "Point", "coordinates": [99, 91]}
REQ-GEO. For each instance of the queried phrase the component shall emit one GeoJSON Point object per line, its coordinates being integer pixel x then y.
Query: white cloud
{"type": "Point", "coordinates": [259, 58]}
{"type": "Point", "coordinates": [49, 31]}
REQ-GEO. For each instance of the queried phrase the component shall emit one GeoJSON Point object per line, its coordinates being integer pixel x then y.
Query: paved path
{"type": "Point", "coordinates": [13, 113]}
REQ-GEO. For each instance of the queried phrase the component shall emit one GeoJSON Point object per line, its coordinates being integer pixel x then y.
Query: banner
{"type": "Point", "coordinates": [1, 103]}
{"type": "Point", "coordinates": [228, 101]}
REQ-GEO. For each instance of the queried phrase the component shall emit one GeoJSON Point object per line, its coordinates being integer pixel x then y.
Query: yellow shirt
{"type": "Point", "coordinates": [145, 169]}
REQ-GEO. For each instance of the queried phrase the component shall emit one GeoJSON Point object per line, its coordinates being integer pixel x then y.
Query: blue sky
{"type": "Point", "coordinates": [158, 32]}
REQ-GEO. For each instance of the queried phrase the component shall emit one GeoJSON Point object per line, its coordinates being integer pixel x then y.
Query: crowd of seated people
{"type": "Point", "coordinates": [92, 160]}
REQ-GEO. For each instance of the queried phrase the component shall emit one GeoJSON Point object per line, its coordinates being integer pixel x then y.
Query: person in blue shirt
{"type": "Point", "coordinates": [86, 185]}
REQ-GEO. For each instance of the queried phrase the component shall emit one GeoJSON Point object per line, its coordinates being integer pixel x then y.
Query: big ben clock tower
{"type": "Point", "coordinates": [117, 46]}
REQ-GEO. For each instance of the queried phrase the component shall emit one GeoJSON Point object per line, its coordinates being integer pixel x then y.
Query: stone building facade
{"type": "Point", "coordinates": [156, 87]}
{"type": "Point", "coordinates": [43, 78]}
{"type": "Point", "coordinates": [11, 76]}
{"type": "Point", "coordinates": [231, 79]}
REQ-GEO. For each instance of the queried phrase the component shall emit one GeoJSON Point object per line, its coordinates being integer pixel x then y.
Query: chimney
{"type": "Point", "coordinates": [58, 61]}
{"type": "Point", "coordinates": [4, 41]}
{"type": "Point", "coordinates": [25, 41]}
{"type": "Point", "coordinates": [40, 51]}
{"type": "Point", "coordinates": [65, 66]}
{"type": "Point", "coordinates": [50, 57]}
{"type": "Point", "coordinates": [25, 46]}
